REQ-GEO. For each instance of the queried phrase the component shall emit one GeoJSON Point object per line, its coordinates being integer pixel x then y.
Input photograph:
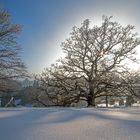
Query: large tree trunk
{"type": "Point", "coordinates": [91, 98]}
{"type": "Point", "coordinates": [91, 101]}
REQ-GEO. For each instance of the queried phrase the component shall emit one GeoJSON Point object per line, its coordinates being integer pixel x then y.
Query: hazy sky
{"type": "Point", "coordinates": [47, 23]}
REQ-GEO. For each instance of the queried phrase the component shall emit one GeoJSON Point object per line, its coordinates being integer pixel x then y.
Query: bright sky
{"type": "Point", "coordinates": [47, 23]}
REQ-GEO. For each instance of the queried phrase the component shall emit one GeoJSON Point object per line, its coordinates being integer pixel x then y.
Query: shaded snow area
{"type": "Point", "coordinates": [69, 124]}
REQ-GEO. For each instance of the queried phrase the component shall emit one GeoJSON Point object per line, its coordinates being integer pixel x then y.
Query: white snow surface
{"type": "Point", "coordinates": [69, 124]}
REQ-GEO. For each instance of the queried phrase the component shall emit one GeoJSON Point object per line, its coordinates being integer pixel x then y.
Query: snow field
{"type": "Point", "coordinates": [69, 124]}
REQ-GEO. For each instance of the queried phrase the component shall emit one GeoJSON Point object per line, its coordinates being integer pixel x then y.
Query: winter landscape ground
{"type": "Point", "coordinates": [69, 124]}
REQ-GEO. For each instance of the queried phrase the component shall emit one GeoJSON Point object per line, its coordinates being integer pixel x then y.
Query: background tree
{"type": "Point", "coordinates": [132, 81]}
{"type": "Point", "coordinates": [11, 65]}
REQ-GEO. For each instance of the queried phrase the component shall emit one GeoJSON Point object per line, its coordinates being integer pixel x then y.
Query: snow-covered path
{"type": "Point", "coordinates": [69, 124]}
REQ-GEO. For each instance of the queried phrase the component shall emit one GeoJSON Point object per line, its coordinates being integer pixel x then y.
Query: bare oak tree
{"type": "Point", "coordinates": [94, 63]}
{"type": "Point", "coordinates": [99, 52]}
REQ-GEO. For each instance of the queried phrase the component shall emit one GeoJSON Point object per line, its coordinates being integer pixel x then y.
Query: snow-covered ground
{"type": "Point", "coordinates": [69, 124]}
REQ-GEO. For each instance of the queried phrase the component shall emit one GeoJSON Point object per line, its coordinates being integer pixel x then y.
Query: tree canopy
{"type": "Point", "coordinates": [11, 65]}
{"type": "Point", "coordinates": [94, 62]}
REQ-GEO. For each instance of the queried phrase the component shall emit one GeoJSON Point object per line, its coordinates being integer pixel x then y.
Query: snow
{"type": "Point", "coordinates": [69, 124]}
